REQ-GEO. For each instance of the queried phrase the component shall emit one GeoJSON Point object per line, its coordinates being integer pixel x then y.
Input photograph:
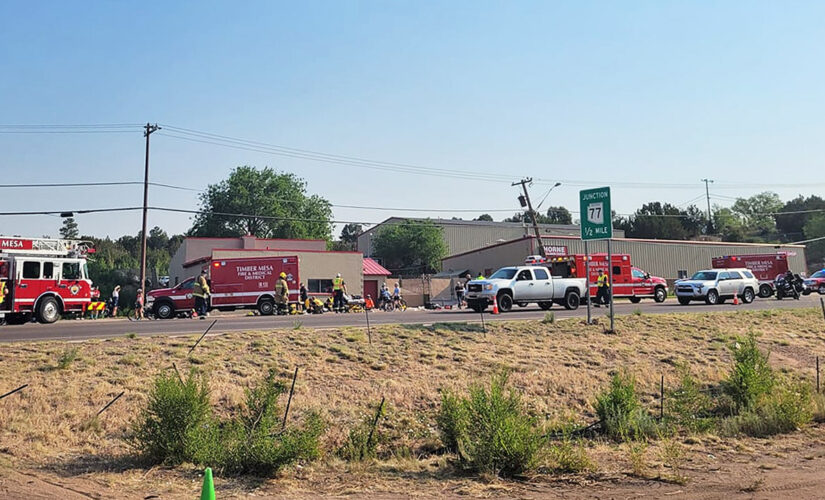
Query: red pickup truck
{"type": "Point", "coordinates": [242, 283]}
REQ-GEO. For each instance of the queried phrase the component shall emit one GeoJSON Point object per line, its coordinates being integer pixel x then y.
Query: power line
{"type": "Point", "coordinates": [94, 184]}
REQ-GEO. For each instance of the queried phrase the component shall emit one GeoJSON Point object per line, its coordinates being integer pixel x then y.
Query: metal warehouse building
{"type": "Point", "coordinates": [465, 235]}
{"type": "Point", "coordinates": [663, 258]}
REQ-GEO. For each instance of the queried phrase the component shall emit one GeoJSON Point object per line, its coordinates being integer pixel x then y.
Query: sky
{"type": "Point", "coordinates": [646, 97]}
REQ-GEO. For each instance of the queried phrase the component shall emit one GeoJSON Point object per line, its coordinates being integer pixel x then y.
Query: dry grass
{"type": "Point", "coordinates": [559, 367]}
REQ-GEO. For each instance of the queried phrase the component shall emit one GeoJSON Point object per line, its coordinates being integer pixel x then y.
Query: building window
{"type": "Point", "coordinates": [319, 286]}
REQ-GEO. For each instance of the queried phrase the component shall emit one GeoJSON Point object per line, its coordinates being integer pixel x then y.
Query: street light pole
{"type": "Point", "coordinates": [149, 129]}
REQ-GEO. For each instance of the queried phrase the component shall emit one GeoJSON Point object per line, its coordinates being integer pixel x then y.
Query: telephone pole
{"type": "Point", "coordinates": [149, 129]}
{"type": "Point", "coordinates": [526, 200]}
{"type": "Point", "coordinates": [707, 195]}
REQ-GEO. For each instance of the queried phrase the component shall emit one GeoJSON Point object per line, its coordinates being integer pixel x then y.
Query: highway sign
{"type": "Point", "coordinates": [596, 217]}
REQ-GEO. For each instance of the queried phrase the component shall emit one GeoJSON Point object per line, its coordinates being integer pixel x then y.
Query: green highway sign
{"type": "Point", "coordinates": [596, 217]}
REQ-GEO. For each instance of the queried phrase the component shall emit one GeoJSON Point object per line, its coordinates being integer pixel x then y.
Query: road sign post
{"type": "Point", "coordinates": [597, 224]}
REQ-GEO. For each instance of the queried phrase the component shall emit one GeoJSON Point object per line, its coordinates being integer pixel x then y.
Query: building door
{"type": "Point", "coordinates": [371, 289]}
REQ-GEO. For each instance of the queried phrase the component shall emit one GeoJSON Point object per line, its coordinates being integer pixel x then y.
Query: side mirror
{"type": "Point", "coordinates": [647, 276]}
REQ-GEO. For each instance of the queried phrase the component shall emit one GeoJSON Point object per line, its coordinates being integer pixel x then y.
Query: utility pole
{"type": "Point", "coordinates": [707, 195]}
{"type": "Point", "coordinates": [524, 183]}
{"type": "Point", "coordinates": [149, 129]}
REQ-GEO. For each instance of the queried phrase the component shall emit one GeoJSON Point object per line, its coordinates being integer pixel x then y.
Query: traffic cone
{"type": "Point", "coordinates": [208, 490]}
{"type": "Point", "coordinates": [736, 300]}
{"type": "Point", "coordinates": [495, 307]}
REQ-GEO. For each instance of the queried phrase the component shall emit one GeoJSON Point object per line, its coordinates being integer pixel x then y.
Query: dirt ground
{"type": "Point", "coordinates": [50, 446]}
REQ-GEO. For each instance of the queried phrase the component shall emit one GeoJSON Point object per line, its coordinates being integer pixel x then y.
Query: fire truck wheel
{"type": "Point", "coordinates": [635, 300]}
{"type": "Point", "coordinates": [660, 295]}
{"type": "Point", "coordinates": [48, 311]}
{"type": "Point", "coordinates": [266, 307]}
{"type": "Point", "coordinates": [163, 310]}
{"type": "Point", "coordinates": [765, 290]}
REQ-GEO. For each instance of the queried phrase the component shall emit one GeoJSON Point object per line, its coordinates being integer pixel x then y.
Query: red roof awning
{"type": "Point", "coordinates": [372, 268]}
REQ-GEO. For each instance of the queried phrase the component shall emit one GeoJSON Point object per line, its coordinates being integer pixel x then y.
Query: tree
{"type": "Point", "coordinates": [655, 220]}
{"type": "Point", "coordinates": [69, 229]}
{"type": "Point", "coordinates": [276, 203]}
{"type": "Point", "coordinates": [559, 215]}
{"type": "Point", "coordinates": [728, 224]}
{"type": "Point", "coordinates": [349, 238]}
{"type": "Point", "coordinates": [410, 247]}
{"type": "Point", "coordinates": [485, 217]}
{"type": "Point", "coordinates": [694, 221]}
{"type": "Point", "coordinates": [752, 212]}
{"type": "Point", "coordinates": [815, 250]}
{"type": "Point", "coordinates": [790, 226]}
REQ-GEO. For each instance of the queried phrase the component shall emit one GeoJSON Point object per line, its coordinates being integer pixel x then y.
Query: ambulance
{"type": "Point", "coordinates": [43, 278]}
{"type": "Point", "coordinates": [629, 281]}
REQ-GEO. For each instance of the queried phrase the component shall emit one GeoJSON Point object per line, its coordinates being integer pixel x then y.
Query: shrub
{"type": "Point", "coordinates": [570, 456]}
{"type": "Point", "coordinates": [68, 357]}
{"type": "Point", "coordinates": [751, 376]}
{"type": "Point", "coordinates": [621, 413]}
{"type": "Point", "coordinates": [687, 406]}
{"type": "Point", "coordinates": [788, 407]}
{"type": "Point", "coordinates": [165, 430]}
{"type": "Point", "coordinates": [362, 442]}
{"type": "Point", "coordinates": [491, 430]}
{"type": "Point", "coordinates": [549, 318]}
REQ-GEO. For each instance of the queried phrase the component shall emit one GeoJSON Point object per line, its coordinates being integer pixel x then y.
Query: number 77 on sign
{"type": "Point", "coordinates": [596, 219]}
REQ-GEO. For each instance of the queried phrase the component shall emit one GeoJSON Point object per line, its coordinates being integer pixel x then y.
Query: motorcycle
{"type": "Point", "coordinates": [788, 286]}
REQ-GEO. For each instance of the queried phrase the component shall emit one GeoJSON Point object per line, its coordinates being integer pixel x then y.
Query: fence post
{"type": "Point", "coordinates": [289, 401]}
{"type": "Point", "coordinates": [369, 330]}
{"type": "Point", "coordinates": [202, 336]}
{"type": "Point", "coordinates": [817, 374]}
{"type": "Point", "coordinates": [662, 399]}
{"type": "Point", "coordinates": [15, 390]}
{"type": "Point", "coordinates": [375, 421]}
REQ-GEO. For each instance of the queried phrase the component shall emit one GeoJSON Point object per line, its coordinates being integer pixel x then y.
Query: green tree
{"type": "Point", "coordinates": [558, 215]}
{"type": "Point", "coordinates": [728, 224]}
{"type": "Point", "coordinates": [411, 247]}
{"type": "Point", "coordinates": [790, 226]}
{"type": "Point", "coordinates": [485, 217]}
{"type": "Point", "coordinates": [350, 232]}
{"type": "Point", "coordinates": [69, 229]}
{"type": "Point", "coordinates": [815, 250]}
{"type": "Point", "coordinates": [655, 220]}
{"type": "Point", "coordinates": [753, 212]}
{"type": "Point", "coordinates": [277, 206]}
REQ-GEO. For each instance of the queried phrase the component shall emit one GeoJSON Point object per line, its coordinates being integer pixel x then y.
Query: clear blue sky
{"type": "Point", "coordinates": [601, 92]}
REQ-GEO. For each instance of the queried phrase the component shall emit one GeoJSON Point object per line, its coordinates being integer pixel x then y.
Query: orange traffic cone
{"type": "Point", "coordinates": [736, 300]}
{"type": "Point", "coordinates": [495, 307]}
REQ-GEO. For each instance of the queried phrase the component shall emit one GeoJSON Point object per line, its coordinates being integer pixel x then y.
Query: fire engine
{"type": "Point", "coordinates": [43, 278]}
{"type": "Point", "coordinates": [628, 281]}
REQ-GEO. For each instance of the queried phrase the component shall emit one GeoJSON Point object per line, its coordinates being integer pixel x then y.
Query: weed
{"type": "Point", "coordinates": [672, 454]}
{"type": "Point", "coordinates": [493, 433]}
{"type": "Point", "coordinates": [636, 456]}
{"type": "Point", "coordinates": [130, 360]}
{"type": "Point", "coordinates": [297, 324]}
{"type": "Point", "coordinates": [687, 406]}
{"type": "Point", "coordinates": [549, 318]}
{"type": "Point", "coordinates": [789, 406]}
{"type": "Point", "coordinates": [451, 420]}
{"type": "Point", "coordinates": [637, 312]}
{"type": "Point", "coordinates": [68, 357]}
{"type": "Point", "coordinates": [819, 408]}
{"type": "Point", "coordinates": [362, 442]}
{"type": "Point", "coordinates": [456, 327]}
{"type": "Point", "coordinates": [570, 456]}
{"type": "Point", "coordinates": [131, 335]}
{"type": "Point", "coordinates": [621, 413]}
{"type": "Point", "coordinates": [751, 376]}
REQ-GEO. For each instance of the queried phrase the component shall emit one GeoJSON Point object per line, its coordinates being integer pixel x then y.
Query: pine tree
{"type": "Point", "coordinates": [69, 229]}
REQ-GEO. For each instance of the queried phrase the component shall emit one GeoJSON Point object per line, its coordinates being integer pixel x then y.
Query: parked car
{"type": "Point", "coordinates": [816, 283]}
{"type": "Point", "coordinates": [714, 286]}
{"type": "Point", "coordinates": [522, 285]}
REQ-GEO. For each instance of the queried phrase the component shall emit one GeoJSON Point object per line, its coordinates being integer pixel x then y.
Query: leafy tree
{"type": "Point", "coordinates": [69, 229]}
{"type": "Point", "coordinates": [790, 226]}
{"type": "Point", "coordinates": [656, 220]}
{"type": "Point", "coordinates": [728, 224]}
{"type": "Point", "coordinates": [485, 217]}
{"type": "Point", "coordinates": [695, 221]}
{"type": "Point", "coordinates": [752, 212]}
{"type": "Point", "coordinates": [350, 232]}
{"type": "Point", "coordinates": [558, 215]}
{"type": "Point", "coordinates": [411, 247]}
{"type": "Point", "coordinates": [815, 250]}
{"type": "Point", "coordinates": [262, 193]}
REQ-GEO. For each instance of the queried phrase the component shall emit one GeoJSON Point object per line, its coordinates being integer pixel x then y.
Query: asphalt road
{"type": "Point", "coordinates": [229, 322]}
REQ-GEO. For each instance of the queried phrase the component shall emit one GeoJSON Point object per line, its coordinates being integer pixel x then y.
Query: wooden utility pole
{"type": "Point", "coordinates": [524, 183]}
{"type": "Point", "coordinates": [149, 129]}
{"type": "Point", "coordinates": [707, 195]}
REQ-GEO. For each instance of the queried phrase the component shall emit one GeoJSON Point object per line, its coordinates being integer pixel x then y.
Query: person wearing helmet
{"type": "Point", "coordinates": [281, 294]}
{"type": "Point", "coordinates": [339, 288]}
{"type": "Point", "coordinates": [201, 293]}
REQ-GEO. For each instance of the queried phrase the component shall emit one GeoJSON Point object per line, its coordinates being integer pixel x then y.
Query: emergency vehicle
{"type": "Point", "coordinates": [43, 278]}
{"type": "Point", "coordinates": [765, 267]}
{"type": "Point", "coordinates": [628, 281]}
{"type": "Point", "coordinates": [237, 283]}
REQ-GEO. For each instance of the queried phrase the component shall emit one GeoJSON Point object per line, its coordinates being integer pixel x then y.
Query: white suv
{"type": "Point", "coordinates": [714, 286]}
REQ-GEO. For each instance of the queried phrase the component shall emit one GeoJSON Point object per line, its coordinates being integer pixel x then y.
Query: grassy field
{"type": "Point", "coordinates": [50, 440]}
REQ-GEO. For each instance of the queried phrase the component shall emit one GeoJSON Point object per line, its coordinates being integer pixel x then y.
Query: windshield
{"type": "Point", "coordinates": [704, 276]}
{"type": "Point", "coordinates": [504, 274]}
{"type": "Point", "coordinates": [819, 274]}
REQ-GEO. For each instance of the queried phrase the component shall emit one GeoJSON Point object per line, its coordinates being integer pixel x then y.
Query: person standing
{"type": "Point", "coordinates": [339, 288]}
{"type": "Point", "coordinates": [602, 290]}
{"type": "Point", "coordinates": [115, 300]}
{"type": "Point", "coordinates": [138, 306]}
{"type": "Point", "coordinates": [304, 296]}
{"type": "Point", "coordinates": [281, 294]}
{"type": "Point", "coordinates": [459, 292]}
{"type": "Point", "coordinates": [201, 292]}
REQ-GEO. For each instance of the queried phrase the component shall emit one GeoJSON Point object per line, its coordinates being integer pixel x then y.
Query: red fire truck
{"type": "Point", "coordinates": [43, 278]}
{"type": "Point", "coordinates": [628, 281]}
{"type": "Point", "coordinates": [238, 283]}
{"type": "Point", "coordinates": [765, 267]}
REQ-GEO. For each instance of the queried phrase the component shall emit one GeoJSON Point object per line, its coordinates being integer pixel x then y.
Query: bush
{"type": "Point", "coordinates": [491, 430]}
{"type": "Point", "coordinates": [68, 357]}
{"type": "Point", "coordinates": [360, 445]}
{"type": "Point", "coordinates": [549, 318]}
{"type": "Point", "coordinates": [751, 376]}
{"type": "Point", "coordinates": [165, 431]}
{"type": "Point", "coordinates": [621, 413]}
{"type": "Point", "coordinates": [570, 456]}
{"type": "Point", "coordinates": [788, 407]}
{"type": "Point", "coordinates": [687, 406]}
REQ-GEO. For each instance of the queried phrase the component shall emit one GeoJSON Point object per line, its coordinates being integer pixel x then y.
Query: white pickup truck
{"type": "Point", "coordinates": [522, 285]}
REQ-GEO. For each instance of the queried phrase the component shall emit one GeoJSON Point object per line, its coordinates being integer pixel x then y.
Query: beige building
{"type": "Point", "coordinates": [664, 258]}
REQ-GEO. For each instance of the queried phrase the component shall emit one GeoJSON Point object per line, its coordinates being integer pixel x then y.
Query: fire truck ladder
{"type": "Point", "coordinates": [44, 246]}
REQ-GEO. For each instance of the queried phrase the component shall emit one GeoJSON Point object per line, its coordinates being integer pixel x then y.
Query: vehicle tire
{"type": "Point", "coordinates": [748, 296]}
{"type": "Point", "coordinates": [635, 300]}
{"type": "Point", "coordinates": [546, 305]}
{"type": "Point", "coordinates": [571, 300]}
{"type": "Point", "coordinates": [765, 290]}
{"type": "Point", "coordinates": [18, 318]}
{"type": "Point", "coordinates": [659, 295]}
{"type": "Point", "coordinates": [266, 307]}
{"type": "Point", "coordinates": [806, 292]}
{"type": "Point", "coordinates": [684, 301]}
{"type": "Point", "coordinates": [821, 289]}
{"type": "Point", "coordinates": [712, 298]}
{"type": "Point", "coordinates": [505, 302]}
{"type": "Point", "coordinates": [521, 304]}
{"type": "Point", "coordinates": [163, 310]}
{"type": "Point", "coordinates": [721, 300]}
{"type": "Point", "coordinates": [48, 311]}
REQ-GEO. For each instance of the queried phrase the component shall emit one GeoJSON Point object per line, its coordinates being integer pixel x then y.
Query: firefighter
{"type": "Point", "coordinates": [282, 294]}
{"type": "Point", "coordinates": [2, 291]}
{"type": "Point", "coordinates": [602, 290]}
{"type": "Point", "coordinates": [303, 296]}
{"type": "Point", "coordinates": [339, 288]}
{"type": "Point", "coordinates": [201, 292]}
